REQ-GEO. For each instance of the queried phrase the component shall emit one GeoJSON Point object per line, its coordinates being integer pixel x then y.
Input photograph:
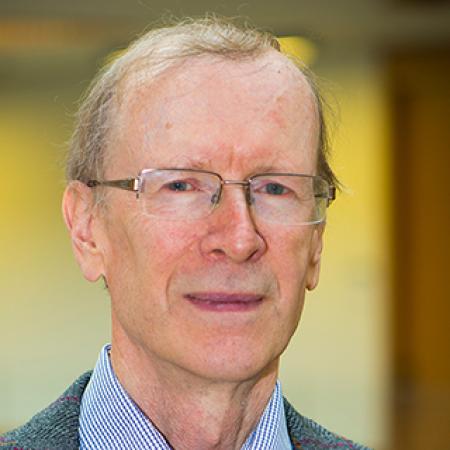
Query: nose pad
{"type": "Point", "coordinates": [248, 196]}
{"type": "Point", "coordinates": [215, 198]}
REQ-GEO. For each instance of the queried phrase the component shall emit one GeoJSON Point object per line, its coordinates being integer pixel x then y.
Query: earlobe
{"type": "Point", "coordinates": [79, 215]}
{"type": "Point", "coordinates": [312, 277]}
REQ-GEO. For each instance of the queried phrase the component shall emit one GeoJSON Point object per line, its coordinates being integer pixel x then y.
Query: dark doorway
{"type": "Point", "coordinates": [420, 91]}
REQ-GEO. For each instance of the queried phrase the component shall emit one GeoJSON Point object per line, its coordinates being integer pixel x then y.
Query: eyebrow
{"type": "Point", "coordinates": [186, 161]}
{"type": "Point", "coordinates": [267, 169]}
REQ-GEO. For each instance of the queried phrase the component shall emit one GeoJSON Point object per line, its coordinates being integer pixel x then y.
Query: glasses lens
{"type": "Point", "coordinates": [176, 194]}
{"type": "Point", "coordinates": [290, 199]}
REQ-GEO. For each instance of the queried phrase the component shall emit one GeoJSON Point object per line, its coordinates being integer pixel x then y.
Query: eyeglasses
{"type": "Point", "coordinates": [188, 194]}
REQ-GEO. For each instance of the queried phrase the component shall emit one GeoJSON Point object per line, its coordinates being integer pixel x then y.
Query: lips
{"type": "Point", "coordinates": [220, 301]}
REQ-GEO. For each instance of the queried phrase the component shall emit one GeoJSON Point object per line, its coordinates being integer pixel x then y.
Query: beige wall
{"type": "Point", "coordinates": [53, 323]}
{"type": "Point", "coordinates": [337, 367]}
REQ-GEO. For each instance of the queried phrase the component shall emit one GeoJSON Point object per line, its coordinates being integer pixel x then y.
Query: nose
{"type": "Point", "coordinates": [232, 233]}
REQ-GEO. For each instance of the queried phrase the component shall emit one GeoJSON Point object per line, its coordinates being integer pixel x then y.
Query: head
{"type": "Point", "coordinates": [219, 296]}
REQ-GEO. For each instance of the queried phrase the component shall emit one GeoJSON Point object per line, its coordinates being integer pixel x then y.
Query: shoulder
{"type": "Point", "coordinates": [306, 434]}
{"type": "Point", "coordinates": [56, 427]}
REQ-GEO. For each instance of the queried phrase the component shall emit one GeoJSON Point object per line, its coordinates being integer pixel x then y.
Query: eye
{"type": "Point", "coordinates": [275, 189]}
{"type": "Point", "coordinates": [179, 186]}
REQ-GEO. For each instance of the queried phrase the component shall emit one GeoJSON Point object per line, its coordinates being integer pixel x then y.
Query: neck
{"type": "Point", "coordinates": [189, 411]}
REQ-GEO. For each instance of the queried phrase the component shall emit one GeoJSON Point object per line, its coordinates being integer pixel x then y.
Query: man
{"type": "Point", "coordinates": [198, 185]}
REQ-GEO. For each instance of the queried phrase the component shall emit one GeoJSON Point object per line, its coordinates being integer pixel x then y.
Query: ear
{"type": "Point", "coordinates": [80, 216]}
{"type": "Point", "coordinates": [312, 275]}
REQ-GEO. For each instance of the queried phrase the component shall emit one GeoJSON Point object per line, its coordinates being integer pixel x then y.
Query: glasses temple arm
{"type": "Point", "coordinates": [130, 184]}
{"type": "Point", "coordinates": [330, 196]}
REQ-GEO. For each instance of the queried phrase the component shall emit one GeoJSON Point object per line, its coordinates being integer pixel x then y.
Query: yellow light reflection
{"type": "Point", "coordinates": [299, 47]}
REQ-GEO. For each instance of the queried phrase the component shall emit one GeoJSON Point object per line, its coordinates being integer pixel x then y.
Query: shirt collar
{"type": "Point", "coordinates": [109, 418]}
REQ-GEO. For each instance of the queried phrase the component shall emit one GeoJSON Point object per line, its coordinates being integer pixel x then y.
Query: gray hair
{"type": "Point", "coordinates": [148, 57]}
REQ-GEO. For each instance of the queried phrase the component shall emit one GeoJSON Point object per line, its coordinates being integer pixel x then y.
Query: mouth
{"type": "Point", "coordinates": [224, 302]}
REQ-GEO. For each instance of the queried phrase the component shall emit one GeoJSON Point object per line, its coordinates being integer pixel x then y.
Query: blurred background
{"type": "Point", "coordinates": [371, 357]}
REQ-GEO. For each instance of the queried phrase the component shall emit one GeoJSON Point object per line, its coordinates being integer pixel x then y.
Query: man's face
{"type": "Point", "coordinates": [221, 296]}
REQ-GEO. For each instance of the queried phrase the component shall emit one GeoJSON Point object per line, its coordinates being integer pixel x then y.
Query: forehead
{"type": "Point", "coordinates": [216, 113]}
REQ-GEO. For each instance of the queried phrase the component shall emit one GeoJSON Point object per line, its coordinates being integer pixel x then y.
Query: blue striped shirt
{"type": "Point", "coordinates": [109, 419]}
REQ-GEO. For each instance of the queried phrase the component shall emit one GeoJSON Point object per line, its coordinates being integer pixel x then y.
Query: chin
{"type": "Point", "coordinates": [235, 373]}
{"type": "Point", "coordinates": [236, 364]}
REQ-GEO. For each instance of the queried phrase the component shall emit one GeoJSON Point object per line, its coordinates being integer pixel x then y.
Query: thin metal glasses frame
{"type": "Point", "coordinates": [135, 184]}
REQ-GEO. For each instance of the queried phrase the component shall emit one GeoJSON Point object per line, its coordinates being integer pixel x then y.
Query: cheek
{"type": "Point", "coordinates": [288, 256]}
{"type": "Point", "coordinates": [165, 243]}
{"type": "Point", "coordinates": [143, 256]}
{"type": "Point", "coordinates": [289, 252]}
{"type": "Point", "coordinates": [155, 249]}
